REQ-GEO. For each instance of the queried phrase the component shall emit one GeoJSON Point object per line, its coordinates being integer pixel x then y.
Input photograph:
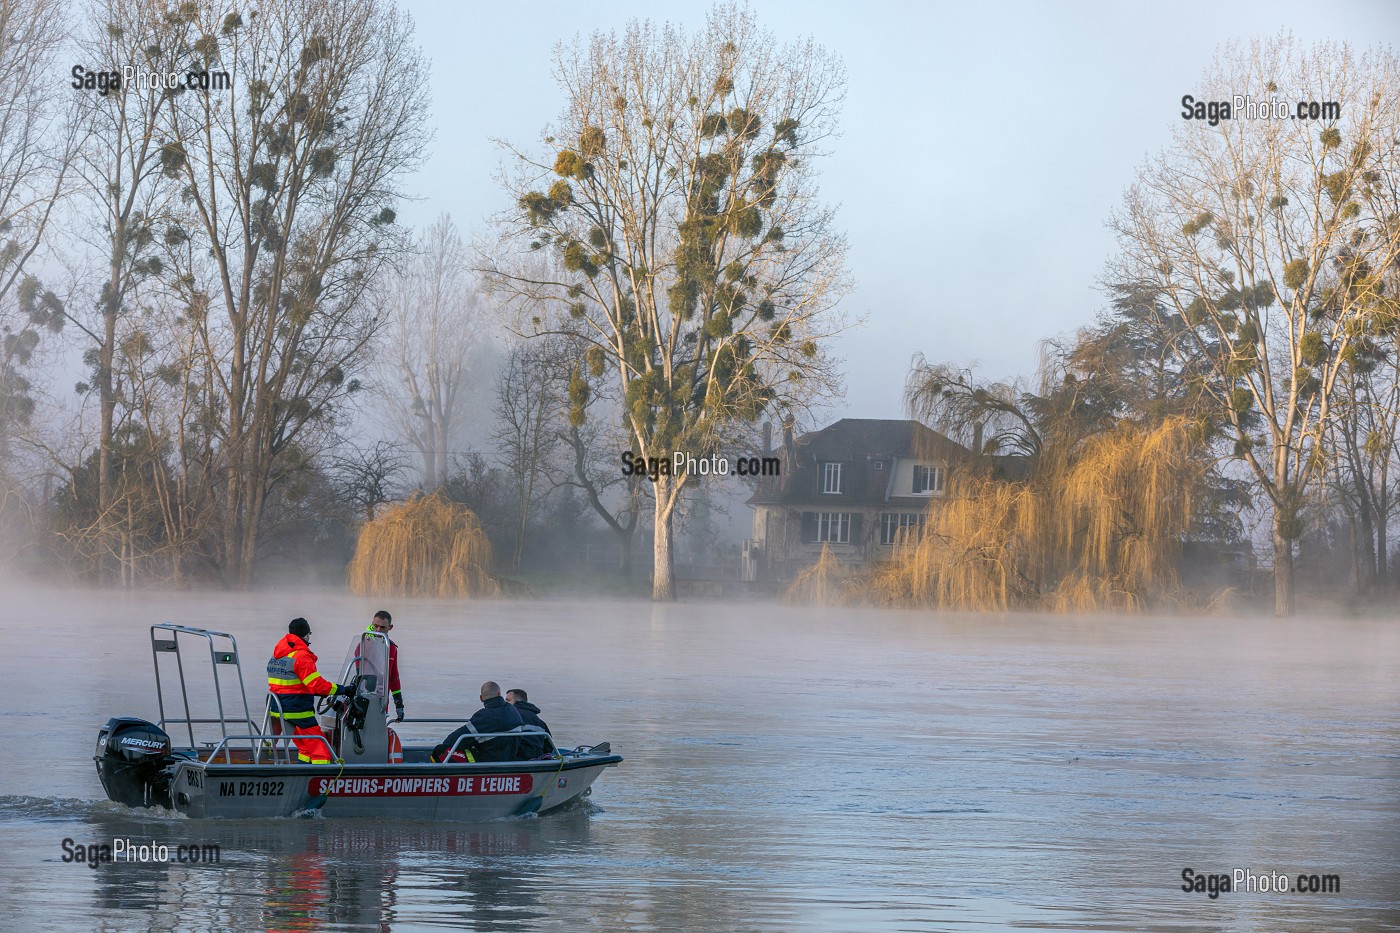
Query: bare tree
{"type": "Point", "coordinates": [1363, 439]}
{"type": "Point", "coordinates": [289, 181]}
{"type": "Point", "coordinates": [528, 409]}
{"type": "Point", "coordinates": [678, 196]}
{"type": "Point", "coordinates": [436, 326]}
{"type": "Point", "coordinates": [370, 477]}
{"type": "Point", "coordinates": [34, 155]}
{"type": "Point", "coordinates": [125, 195]}
{"type": "Point", "coordinates": [595, 434]}
{"type": "Point", "coordinates": [1265, 241]}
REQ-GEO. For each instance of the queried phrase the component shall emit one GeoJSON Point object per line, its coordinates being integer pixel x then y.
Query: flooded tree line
{"type": "Point", "coordinates": [229, 268]}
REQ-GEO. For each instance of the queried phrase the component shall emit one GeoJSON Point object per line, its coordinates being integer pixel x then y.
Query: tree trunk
{"type": "Point", "coordinates": [1358, 569]}
{"type": "Point", "coordinates": [1382, 570]}
{"type": "Point", "coordinates": [1362, 521]}
{"type": "Point", "coordinates": [439, 459]}
{"type": "Point", "coordinates": [253, 501]}
{"type": "Point", "coordinates": [233, 539]}
{"type": "Point", "coordinates": [1382, 531]}
{"type": "Point", "coordinates": [106, 396]}
{"type": "Point", "coordinates": [519, 550]}
{"type": "Point", "coordinates": [663, 572]}
{"type": "Point", "coordinates": [1284, 604]}
{"type": "Point", "coordinates": [430, 478]}
{"type": "Point", "coordinates": [624, 560]}
{"type": "Point", "coordinates": [526, 494]}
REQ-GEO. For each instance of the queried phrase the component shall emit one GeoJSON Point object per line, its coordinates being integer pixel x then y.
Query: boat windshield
{"type": "Point", "coordinates": [369, 657]}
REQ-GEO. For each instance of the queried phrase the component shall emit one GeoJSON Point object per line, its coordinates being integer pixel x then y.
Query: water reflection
{"type": "Point", "coordinates": [319, 874]}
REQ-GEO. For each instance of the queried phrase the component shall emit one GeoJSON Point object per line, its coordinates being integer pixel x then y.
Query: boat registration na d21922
{"type": "Point", "coordinates": [421, 786]}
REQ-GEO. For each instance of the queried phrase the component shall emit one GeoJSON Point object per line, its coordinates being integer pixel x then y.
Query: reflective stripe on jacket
{"type": "Point", "coordinates": [292, 675]}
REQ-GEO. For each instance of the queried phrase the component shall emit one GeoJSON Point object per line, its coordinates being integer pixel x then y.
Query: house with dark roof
{"type": "Point", "coordinates": [855, 486]}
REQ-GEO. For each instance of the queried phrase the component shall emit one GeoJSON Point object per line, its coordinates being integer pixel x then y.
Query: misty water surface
{"type": "Point", "coordinates": [785, 769]}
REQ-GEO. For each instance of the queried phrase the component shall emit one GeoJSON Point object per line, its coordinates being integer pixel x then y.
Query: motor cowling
{"type": "Point", "coordinates": [134, 762]}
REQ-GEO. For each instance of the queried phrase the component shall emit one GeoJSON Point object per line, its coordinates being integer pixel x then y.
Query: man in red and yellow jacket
{"type": "Point", "coordinates": [382, 623]}
{"type": "Point", "coordinates": [292, 676]}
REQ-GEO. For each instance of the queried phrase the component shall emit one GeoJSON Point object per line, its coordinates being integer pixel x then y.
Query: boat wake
{"type": "Point", "coordinates": [26, 808]}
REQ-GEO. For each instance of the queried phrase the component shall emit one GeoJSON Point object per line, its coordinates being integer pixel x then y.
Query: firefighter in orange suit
{"type": "Point", "coordinates": [292, 676]}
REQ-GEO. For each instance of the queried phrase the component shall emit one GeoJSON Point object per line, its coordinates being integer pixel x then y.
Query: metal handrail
{"type": "Point", "coordinates": [281, 723]}
{"type": "Point", "coordinates": [456, 719]}
{"type": "Point", "coordinates": [223, 745]}
{"type": "Point", "coordinates": [516, 732]}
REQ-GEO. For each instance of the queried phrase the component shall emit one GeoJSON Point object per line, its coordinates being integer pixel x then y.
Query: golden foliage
{"type": "Point", "coordinates": [828, 581]}
{"type": "Point", "coordinates": [1093, 528]}
{"type": "Point", "coordinates": [425, 546]}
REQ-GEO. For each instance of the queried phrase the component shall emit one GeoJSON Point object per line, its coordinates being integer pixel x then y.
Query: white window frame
{"type": "Point", "coordinates": [892, 522]}
{"type": "Point", "coordinates": [832, 470]}
{"type": "Point", "coordinates": [833, 527]}
{"type": "Point", "coordinates": [935, 477]}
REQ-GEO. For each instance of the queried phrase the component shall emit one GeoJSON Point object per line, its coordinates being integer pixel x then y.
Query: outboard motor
{"type": "Point", "coordinates": [134, 762]}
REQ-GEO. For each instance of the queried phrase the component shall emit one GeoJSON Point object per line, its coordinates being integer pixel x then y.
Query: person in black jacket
{"type": "Point", "coordinates": [531, 746]}
{"type": "Point", "coordinates": [495, 715]}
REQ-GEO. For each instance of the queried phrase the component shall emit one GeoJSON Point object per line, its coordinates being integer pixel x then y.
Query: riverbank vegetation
{"type": "Point", "coordinates": [1241, 389]}
{"type": "Point", "coordinates": [424, 546]}
{"type": "Point", "coordinates": [1092, 525]}
{"type": "Point", "coordinates": [244, 366]}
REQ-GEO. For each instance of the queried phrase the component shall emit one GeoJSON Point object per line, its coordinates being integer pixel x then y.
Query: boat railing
{"type": "Point", "coordinates": [272, 700]}
{"type": "Point", "coordinates": [257, 739]}
{"type": "Point", "coordinates": [478, 736]}
{"type": "Point", "coordinates": [223, 651]}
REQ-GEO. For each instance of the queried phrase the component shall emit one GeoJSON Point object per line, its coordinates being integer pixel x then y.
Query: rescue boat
{"type": "Point", "coordinates": [247, 770]}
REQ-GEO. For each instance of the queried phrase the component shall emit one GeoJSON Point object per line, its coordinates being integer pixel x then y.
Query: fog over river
{"type": "Point", "coordinates": [786, 768]}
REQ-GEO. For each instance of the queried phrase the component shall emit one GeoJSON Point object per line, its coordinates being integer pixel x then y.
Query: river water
{"type": "Point", "coordinates": [786, 769]}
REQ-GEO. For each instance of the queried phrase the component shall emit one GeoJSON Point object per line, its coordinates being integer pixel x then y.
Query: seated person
{"type": "Point", "coordinates": [495, 715]}
{"type": "Point", "coordinates": [531, 746]}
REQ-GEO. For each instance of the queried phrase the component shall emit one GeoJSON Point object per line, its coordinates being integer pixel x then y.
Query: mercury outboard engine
{"type": "Point", "coordinates": [134, 762]}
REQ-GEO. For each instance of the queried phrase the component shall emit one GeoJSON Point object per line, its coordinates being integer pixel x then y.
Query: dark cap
{"type": "Point", "coordinates": [299, 627]}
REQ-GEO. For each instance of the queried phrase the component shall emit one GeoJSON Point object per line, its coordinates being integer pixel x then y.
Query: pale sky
{"type": "Point", "coordinates": [983, 147]}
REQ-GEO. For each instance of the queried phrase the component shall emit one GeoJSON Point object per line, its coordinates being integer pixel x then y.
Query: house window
{"type": "Point", "coordinates": [928, 480]}
{"type": "Point", "coordinates": [896, 526]}
{"type": "Point", "coordinates": [834, 527]}
{"type": "Point", "coordinates": [879, 464]}
{"type": "Point", "coordinates": [832, 480]}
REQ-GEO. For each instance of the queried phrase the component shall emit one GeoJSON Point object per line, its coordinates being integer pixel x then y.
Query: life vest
{"type": "Point", "coordinates": [458, 757]}
{"type": "Point", "coordinates": [292, 676]}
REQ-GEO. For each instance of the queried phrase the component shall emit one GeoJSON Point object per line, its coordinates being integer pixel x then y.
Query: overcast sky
{"type": "Point", "coordinates": [983, 148]}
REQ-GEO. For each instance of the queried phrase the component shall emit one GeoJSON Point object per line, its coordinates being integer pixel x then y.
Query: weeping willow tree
{"type": "Point", "coordinates": [1096, 525]}
{"type": "Point", "coordinates": [426, 546]}
{"type": "Point", "coordinates": [828, 582]}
